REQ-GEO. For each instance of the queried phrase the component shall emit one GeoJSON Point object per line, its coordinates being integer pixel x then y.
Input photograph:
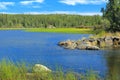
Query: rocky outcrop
{"type": "Point", "coordinates": [91, 43]}
{"type": "Point", "coordinates": [82, 45]}
{"type": "Point", "coordinates": [87, 46]}
{"type": "Point", "coordinates": [68, 44]}
{"type": "Point", "coordinates": [40, 68]}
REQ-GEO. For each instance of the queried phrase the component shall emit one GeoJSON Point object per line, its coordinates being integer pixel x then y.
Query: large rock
{"type": "Point", "coordinates": [62, 43]}
{"type": "Point", "coordinates": [101, 42]}
{"type": "Point", "coordinates": [92, 48]}
{"type": "Point", "coordinates": [40, 68]}
{"type": "Point", "coordinates": [116, 41]}
{"type": "Point", "coordinates": [92, 43]}
{"type": "Point", "coordinates": [108, 41]}
{"type": "Point", "coordinates": [71, 46]}
{"type": "Point", "coordinates": [87, 46]}
{"type": "Point", "coordinates": [68, 44]}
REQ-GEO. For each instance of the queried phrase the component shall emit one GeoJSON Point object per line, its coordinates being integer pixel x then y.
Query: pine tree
{"type": "Point", "coordinates": [112, 13]}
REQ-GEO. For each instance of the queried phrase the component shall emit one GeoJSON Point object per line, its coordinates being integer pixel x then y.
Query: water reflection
{"type": "Point", "coordinates": [113, 63]}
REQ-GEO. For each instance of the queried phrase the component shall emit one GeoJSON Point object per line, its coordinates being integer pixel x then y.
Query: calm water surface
{"type": "Point", "coordinates": [42, 48]}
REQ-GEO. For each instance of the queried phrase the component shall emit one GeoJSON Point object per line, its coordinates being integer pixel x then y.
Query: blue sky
{"type": "Point", "coordinates": [82, 7]}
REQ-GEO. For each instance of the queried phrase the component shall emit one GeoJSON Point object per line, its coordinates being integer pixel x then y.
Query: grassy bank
{"type": "Point", "coordinates": [62, 30]}
{"type": "Point", "coordinates": [104, 34]}
{"type": "Point", "coordinates": [11, 71]}
{"type": "Point", "coordinates": [54, 30]}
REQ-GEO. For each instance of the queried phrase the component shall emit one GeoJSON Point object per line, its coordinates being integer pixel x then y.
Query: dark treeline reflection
{"type": "Point", "coordinates": [113, 64]}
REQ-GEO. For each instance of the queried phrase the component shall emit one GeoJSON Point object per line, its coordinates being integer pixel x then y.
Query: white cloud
{"type": "Point", "coordinates": [36, 6]}
{"type": "Point", "coordinates": [65, 12]}
{"type": "Point", "coordinates": [74, 2]}
{"type": "Point", "coordinates": [31, 1]}
{"type": "Point", "coordinates": [3, 5]}
{"type": "Point", "coordinates": [26, 2]}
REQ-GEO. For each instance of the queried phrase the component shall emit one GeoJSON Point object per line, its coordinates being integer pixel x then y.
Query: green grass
{"type": "Point", "coordinates": [103, 33]}
{"type": "Point", "coordinates": [54, 30]}
{"type": "Point", "coordinates": [19, 71]}
{"type": "Point", "coordinates": [61, 30]}
{"type": "Point", "coordinates": [11, 71]}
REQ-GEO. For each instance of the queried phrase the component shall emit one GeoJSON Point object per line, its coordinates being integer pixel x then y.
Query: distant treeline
{"type": "Point", "coordinates": [50, 20]}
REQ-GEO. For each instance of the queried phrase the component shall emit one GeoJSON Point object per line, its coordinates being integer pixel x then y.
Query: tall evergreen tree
{"type": "Point", "coordinates": [112, 13]}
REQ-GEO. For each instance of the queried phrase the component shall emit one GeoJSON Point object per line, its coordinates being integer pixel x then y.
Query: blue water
{"type": "Point", "coordinates": [35, 47]}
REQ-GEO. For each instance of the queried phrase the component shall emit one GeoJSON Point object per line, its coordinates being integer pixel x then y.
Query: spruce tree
{"type": "Point", "coordinates": [112, 13]}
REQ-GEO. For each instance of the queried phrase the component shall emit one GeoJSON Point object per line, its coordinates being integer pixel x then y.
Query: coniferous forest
{"type": "Point", "coordinates": [45, 20]}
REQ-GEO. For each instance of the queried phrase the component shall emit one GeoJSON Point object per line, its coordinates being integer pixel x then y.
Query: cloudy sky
{"type": "Point", "coordinates": [83, 7]}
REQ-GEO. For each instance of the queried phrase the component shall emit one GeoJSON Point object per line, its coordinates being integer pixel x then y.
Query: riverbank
{"type": "Point", "coordinates": [61, 30]}
{"type": "Point", "coordinates": [19, 71]}
{"type": "Point", "coordinates": [55, 30]}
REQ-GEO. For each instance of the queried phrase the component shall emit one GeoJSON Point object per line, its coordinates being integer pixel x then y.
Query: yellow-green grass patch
{"type": "Point", "coordinates": [61, 30]}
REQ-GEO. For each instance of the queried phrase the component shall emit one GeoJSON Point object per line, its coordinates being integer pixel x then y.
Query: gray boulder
{"type": "Point", "coordinates": [68, 44]}
{"type": "Point", "coordinates": [108, 41]}
{"type": "Point", "coordinates": [73, 45]}
{"type": "Point", "coordinates": [40, 68]}
{"type": "Point", "coordinates": [83, 45]}
{"type": "Point", "coordinates": [62, 43]}
{"type": "Point", "coordinates": [92, 48]}
{"type": "Point", "coordinates": [92, 43]}
{"type": "Point", "coordinates": [101, 42]}
{"type": "Point", "coordinates": [87, 46]}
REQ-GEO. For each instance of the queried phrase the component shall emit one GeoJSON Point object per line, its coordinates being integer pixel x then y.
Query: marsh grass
{"type": "Point", "coordinates": [11, 71]}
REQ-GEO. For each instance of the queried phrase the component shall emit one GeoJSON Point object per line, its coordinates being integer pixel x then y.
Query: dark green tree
{"type": "Point", "coordinates": [44, 21]}
{"type": "Point", "coordinates": [112, 13]}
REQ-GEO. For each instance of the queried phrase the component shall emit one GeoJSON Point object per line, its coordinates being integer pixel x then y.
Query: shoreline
{"type": "Point", "coordinates": [55, 30]}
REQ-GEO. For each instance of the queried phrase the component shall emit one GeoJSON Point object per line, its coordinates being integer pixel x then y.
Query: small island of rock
{"type": "Point", "coordinates": [91, 43]}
